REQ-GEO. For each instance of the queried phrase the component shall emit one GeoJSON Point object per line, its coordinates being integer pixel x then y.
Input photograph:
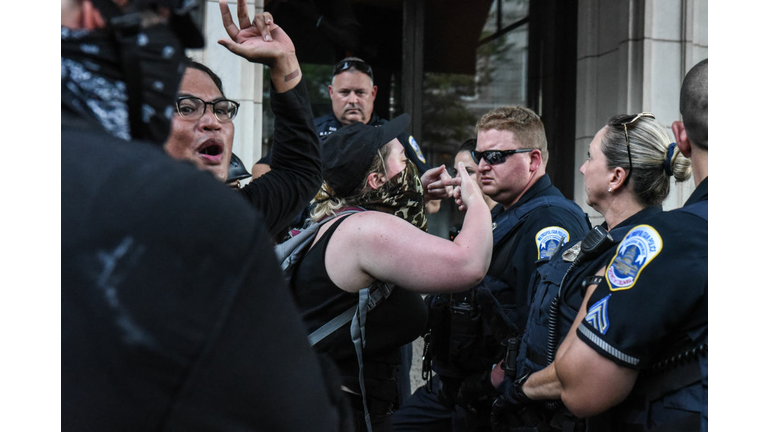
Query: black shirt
{"type": "Point", "coordinates": [655, 289]}
{"type": "Point", "coordinates": [562, 276]}
{"type": "Point", "coordinates": [296, 171]}
{"type": "Point", "coordinates": [174, 313]}
{"type": "Point", "coordinates": [396, 321]}
{"type": "Point", "coordinates": [515, 257]}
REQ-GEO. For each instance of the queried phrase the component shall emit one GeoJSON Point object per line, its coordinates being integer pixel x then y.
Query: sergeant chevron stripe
{"type": "Point", "coordinates": [598, 315]}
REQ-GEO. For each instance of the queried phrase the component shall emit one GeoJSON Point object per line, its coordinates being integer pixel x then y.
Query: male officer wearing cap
{"type": "Point", "coordinates": [468, 330]}
{"type": "Point", "coordinates": [169, 290]}
{"type": "Point", "coordinates": [638, 349]}
{"type": "Point", "coordinates": [352, 92]}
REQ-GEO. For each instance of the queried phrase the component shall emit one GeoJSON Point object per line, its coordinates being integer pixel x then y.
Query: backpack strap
{"type": "Point", "coordinates": [368, 298]}
{"type": "Point", "coordinates": [357, 330]}
{"type": "Point", "coordinates": [289, 251]}
{"type": "Point", "coordinates": [374, 295]}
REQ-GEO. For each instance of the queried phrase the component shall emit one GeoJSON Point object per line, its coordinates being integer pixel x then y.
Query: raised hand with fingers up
{"type": "Point", "coordinates": [261, 41]}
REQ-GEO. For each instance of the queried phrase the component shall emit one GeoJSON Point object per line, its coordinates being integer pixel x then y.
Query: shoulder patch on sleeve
{"type": "Point", "coordinates": [597, 316]}
{"type": "Point", "coordinates": [639, 247]}
{"type": "Point", "coordinates": [548, 239]}
{"type": "Point", "coordinates": [416, 149]}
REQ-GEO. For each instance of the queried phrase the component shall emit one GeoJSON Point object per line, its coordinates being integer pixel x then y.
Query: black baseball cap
{"type": "Point", "coordinates": [348, 152]}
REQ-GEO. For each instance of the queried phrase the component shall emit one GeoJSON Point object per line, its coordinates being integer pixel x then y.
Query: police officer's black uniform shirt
{"type": "Point", "coordinates": [655, 290]}
{"type": "Point", "coordinates": [650, 313]}
{"type": "Point", "coordinates": [515, 257]}
{"type": "Point", "coordinates": [327, 124]}
{"type": "Point", "coordinates": [548, 282]}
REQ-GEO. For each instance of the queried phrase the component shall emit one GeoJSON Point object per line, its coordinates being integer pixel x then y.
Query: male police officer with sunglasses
{"type": "Point", "coordinates": [471, 331]}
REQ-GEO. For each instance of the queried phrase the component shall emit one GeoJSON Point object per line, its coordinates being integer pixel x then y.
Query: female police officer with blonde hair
{"type": "Point", "coordinates": [382, 243]}
{"type": "Point", "coordinates": [626, 176]}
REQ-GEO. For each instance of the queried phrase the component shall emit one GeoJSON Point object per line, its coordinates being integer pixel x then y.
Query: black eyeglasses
{"type": "Point", "coordinates": [192, 108]}
{"type": "Point", "coordinates": [353, 64]}
{"type": "Point", "coordinates": [628, 121]}
{"type": "Point", "coordinates": [495, 157]}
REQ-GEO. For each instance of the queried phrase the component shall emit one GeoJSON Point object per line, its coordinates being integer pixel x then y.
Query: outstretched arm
{"type": "Point", "coordinates": [380, 246]}
{"type": "Point", "coordinates": [296, 170]}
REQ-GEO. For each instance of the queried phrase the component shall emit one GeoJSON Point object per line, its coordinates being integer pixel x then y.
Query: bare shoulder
{"type": "Point", "coordinates": [376, 223]}
{"type": "Point", "coordinates": [371, 228]}
{"type": "Point", "coordinates": [373, 219]}
{"type": "Point", "coordinates": [360, 239]}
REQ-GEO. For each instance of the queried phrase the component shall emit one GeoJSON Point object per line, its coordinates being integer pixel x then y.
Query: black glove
{"type": "Point", "coordinates": [474, 389]}
{"type": "Point", "coordinates": [504, 416]}
{"type": "Point", "coordinates": [513, 410]}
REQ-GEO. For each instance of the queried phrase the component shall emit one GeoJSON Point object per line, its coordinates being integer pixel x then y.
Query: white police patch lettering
{"type": "Point", "coordinates": [597, 316]}
{"type": "Point", "coordinates": [639, 247]}
{"type": "Point", "coordinates": [417, 149]}
{"type": "Point", "coordinates": [549, 239]}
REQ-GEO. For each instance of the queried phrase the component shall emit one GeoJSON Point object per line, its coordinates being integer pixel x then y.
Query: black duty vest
{"type": "Point", "coordinates": [468, 328]}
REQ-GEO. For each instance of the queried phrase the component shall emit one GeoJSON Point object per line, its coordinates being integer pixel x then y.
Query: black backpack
{"type": "Point", "coordinates": [291, 251]}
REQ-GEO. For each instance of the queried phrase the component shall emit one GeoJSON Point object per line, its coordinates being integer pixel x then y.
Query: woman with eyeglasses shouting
{"type": "Point", "coordinates": [203, 129]}
{"type": "Point", "coordinates": [626, 176]}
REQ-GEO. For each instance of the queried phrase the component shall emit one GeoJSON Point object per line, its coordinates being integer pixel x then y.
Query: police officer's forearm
{"type": "Point", "coordinates": [543, 384]}
{"type": "Point", "coordinates": [590, 382]}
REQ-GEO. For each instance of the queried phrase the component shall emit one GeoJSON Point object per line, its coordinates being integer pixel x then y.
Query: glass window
{"type": "Point", "coordinates": [513, 11]}
{"type": "Point", "coordinates": [453, 103]}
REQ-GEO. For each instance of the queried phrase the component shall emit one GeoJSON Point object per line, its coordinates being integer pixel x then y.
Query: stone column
{"type": "Point", "coordinates": [632, 57]}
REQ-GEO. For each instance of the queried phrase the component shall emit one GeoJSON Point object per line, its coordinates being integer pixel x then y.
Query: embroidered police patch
{"type": "Point", "coordinates": [597, 316]}
{"type": "Point", "coordinates": [417, 149]}
{"type": "Point", "coordinates": [549, 239]}
{"type": "Point", "coordinates": [639, 247]}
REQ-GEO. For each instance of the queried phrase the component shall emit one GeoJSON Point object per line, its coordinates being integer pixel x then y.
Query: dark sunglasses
{"type": "Point", "coordinates": [625, 121]}
{"type": "Point", "coordinates": [495, 157]}
{"type": "Point", "coordinates": [353, 64]}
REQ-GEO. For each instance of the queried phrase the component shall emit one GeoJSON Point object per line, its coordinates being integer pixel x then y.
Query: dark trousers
{"type": "Point", "coordinates": [426, 412]}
